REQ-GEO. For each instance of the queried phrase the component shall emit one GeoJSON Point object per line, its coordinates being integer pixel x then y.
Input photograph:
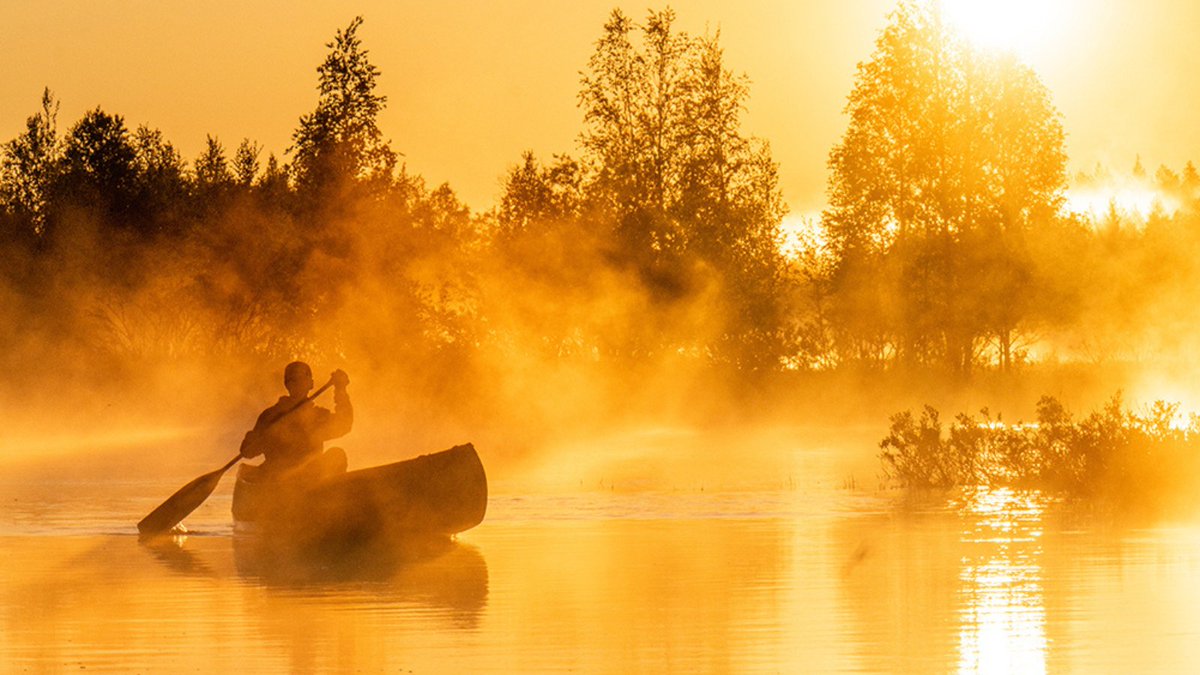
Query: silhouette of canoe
{"type": "Point", "coordinates": [435, 495]}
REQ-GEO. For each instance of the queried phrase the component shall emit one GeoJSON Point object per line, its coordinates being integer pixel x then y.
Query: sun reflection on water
{"type": "Point", "coordinates": [1003, 613]}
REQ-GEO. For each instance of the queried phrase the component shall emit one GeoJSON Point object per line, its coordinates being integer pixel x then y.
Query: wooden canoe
{"type": "Point", "coordinates": [435, 495]}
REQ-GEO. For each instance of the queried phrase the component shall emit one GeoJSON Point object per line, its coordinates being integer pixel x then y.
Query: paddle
{"type": "Point", "coordinates": [187, 498]}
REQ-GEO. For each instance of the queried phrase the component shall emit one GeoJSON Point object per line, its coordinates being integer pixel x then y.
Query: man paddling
{"type": "Point", "coordinates": [294, 447]}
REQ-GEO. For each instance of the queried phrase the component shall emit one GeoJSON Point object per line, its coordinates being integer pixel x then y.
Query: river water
{"type": "Point", "coordinates": [803, 578]}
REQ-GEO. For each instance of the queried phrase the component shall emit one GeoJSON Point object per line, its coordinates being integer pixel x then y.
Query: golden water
{"type": "Point", "coordinates": [801, 580]}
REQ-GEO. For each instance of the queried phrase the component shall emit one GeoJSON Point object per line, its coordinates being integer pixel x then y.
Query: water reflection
{"type": "Point", "coordinates": [950, 586]}
{"type": "Point", "coordinates": [1003, 618]}
{"type": "Point", "coordinates": [174, 554]}
{"type": "Point", "coordinates": [438, 573]}
{"type": "Point", "coordinates": [274, 563]}
{"type": "Point", "coordinates": [986, 581]}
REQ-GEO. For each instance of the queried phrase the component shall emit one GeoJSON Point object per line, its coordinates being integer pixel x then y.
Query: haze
{"type": "Point", "coordinates": [530, 302]}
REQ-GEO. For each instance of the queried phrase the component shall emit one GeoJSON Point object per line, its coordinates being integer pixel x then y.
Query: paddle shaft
{"type": "Point", "coordinates": [187, 498]}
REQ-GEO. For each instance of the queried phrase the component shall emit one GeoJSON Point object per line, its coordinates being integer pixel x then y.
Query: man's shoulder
{"type": "Point", "coordinates": [281, 406]}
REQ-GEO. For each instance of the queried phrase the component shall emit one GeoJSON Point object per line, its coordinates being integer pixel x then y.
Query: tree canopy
{"type": "Point", "coordinates": [950, 159]}
{"type": "Point", "coordinates": [339, 143]}
{"type": "Point", "coordinates": [692, 201]}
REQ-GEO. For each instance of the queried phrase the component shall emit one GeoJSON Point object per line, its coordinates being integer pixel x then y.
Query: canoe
{"type": "Point", "coordinates": [435, 495]}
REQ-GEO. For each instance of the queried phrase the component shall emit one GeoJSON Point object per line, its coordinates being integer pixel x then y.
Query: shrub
{"type": "Point", "coordinates": [1150, 457]}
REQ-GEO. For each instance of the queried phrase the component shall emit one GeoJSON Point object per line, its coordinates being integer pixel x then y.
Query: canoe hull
{"type": "Point", "coordinates": [435, 495]}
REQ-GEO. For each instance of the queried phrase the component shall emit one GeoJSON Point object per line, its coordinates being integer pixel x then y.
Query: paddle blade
{"type": "Point", "coordinates": [179, 505]}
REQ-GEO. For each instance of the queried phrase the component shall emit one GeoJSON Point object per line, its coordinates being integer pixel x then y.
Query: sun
{"type": "Point", "coordinates": [801, 234]}
{"type": "Point", "coordinates": [1022, 27]}
{"type": "Point", "coordinates": [1132, 199]}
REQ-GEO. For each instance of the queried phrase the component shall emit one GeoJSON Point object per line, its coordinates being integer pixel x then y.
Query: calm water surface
{"type": "Point", "coordinates": [799, 580]}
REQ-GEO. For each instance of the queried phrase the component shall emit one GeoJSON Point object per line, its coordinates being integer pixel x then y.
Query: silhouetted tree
{"type": "Point", "coordinates": [212, 168]}
{"type": "Point", "coordinates": [162, 184]}
{"type": "Point", "coordinates": [536, 196]}
{"type": "Point", "coordinates": [274, 184]}
{"type": "Point", "coordinates": [731, 206]}
{"type": "Point", "coordinates": [245, 163]}
{"type": "Point", "coordinates": [99, 169]}
{"type": "Point", "coordinates": [28, 165]}
{"type": "Point", "coordinates": [633, 107]}
{"type": "Point", "coordinates": [693, 203]}
{"type": "Point", "coordinates": [339, 144]}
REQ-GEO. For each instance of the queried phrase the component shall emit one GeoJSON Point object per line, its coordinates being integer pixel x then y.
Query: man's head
{"type": "Point", "coordinates": [297, 378]}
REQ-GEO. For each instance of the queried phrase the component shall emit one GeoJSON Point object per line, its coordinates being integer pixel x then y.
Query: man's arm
{"type": "Point", "coordinates": [338, 423]}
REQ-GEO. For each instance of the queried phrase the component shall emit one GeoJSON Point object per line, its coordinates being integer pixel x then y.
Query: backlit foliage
{"type": "Point", "coordinates": [951, 158]}
{"type": "Point", "coordinates": [1149, 458]}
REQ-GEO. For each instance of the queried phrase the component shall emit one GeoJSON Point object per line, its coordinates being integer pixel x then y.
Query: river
{"type": "Point", "coordinates": [804, 578]}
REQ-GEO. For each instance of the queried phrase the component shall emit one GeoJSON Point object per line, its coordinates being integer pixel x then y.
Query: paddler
{"type": "Point", "coordinates": [294, 448]}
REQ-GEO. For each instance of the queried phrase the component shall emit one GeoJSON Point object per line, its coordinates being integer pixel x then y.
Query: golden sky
{"type": "Point", "coordinates": [473, 83]}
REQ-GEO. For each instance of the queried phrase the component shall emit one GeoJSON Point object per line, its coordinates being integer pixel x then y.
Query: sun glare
{"type": "Point", "coordinates": [1135, 200]}
{"type": "Point", "coordinates": [1019, 26]}
{"type": "Point", "coordinates": [1004, 627]}
{"type": "Point", "coordinates": [801, 233]}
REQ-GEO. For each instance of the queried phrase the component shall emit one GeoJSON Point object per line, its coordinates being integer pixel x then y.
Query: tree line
{"type": "Point", "coordinates": [945, 245]}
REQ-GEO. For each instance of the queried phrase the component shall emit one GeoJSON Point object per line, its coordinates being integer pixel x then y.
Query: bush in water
{"type": "Point", "coordinates": [1113, 451]}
